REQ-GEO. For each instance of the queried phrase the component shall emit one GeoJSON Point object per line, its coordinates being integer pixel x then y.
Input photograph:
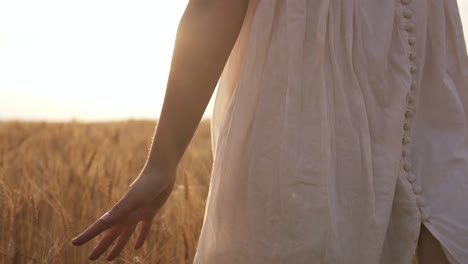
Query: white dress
{"type": "Point", "coordinates": [340, 126]}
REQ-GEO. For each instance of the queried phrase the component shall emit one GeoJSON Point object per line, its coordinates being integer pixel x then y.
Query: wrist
{"type": "Point", "coordinates": [160, 164]}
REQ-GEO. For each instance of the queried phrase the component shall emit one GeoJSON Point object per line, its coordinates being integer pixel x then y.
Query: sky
{"type": "Point", "coordinates": [90, 60]}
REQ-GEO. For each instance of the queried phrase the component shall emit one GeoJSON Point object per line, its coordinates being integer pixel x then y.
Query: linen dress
{"type": "Point", "coordinates": [340, 126]}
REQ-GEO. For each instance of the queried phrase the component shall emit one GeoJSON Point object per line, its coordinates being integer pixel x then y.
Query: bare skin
{"type": "Point", "coordinates": [429, 249]}
{"type": "Point", "coordinates": [206, 35]}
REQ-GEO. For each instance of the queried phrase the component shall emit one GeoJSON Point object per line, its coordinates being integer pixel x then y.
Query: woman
{"type": "Point", "coordinates": [339, 133]}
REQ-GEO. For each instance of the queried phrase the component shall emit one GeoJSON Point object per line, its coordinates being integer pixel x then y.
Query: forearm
{"type": "Point", "coordinates": [206, 35]}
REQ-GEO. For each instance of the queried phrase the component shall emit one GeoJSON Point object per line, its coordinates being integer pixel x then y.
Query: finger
{"type": "Point", "coordinates": [121, 242]}
{"type": "Point", "coordinates": [144, 229]}
{"type": "Point", "coordinates": [106, 241]}
{"type": "Point", "coordinates": [92, 231]}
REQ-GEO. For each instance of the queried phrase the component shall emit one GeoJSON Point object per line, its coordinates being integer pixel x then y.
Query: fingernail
{"type": "Point", "coordinates": [91, 256]}
{"type": "Point", "coordinates": [105, 218]}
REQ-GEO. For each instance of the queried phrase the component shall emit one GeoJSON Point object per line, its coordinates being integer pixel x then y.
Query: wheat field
{"type": "Point", "coordinates": [57, 178]}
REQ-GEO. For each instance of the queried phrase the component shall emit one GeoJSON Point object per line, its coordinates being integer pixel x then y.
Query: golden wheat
{"type": "Point", "coordinates": [57, 178]}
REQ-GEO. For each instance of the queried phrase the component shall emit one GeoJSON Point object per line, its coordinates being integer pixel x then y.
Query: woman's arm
{"type": "Point", "coordinates": [206, 35]}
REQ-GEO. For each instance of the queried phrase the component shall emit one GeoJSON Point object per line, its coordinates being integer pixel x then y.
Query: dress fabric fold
{"type": "Point", "coordinates": [339, 127]}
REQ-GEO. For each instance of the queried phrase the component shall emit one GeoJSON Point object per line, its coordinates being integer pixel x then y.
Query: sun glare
{"type": "Point", "coordinates": [89, 60]}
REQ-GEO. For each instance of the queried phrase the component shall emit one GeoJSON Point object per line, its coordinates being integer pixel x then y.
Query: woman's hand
{"type": "Point", "coordinates": [145, 196]}
{"type": "Point", "coordinates": [206, 35]}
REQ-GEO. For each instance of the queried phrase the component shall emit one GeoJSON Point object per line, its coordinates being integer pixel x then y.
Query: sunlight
{"type": "Point", "coordinates": [89, 60]}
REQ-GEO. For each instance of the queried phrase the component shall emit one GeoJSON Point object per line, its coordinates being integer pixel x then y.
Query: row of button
{"type": "Point", "coordinates": [417, 189]}
{"type": "Point", "coordinates": [409, 114]}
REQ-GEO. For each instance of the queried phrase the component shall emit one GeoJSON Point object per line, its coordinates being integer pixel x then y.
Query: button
{"type": "Point", "coordinates": [424, 217]}
{"type": "Point", "coordinates": [405, 153]}
{"type": "Point", "coordinates": [417, 189]}
{"type": "Point", "coordinates": [413, 69]}
{"type": "Point", "coordinates": [420, 201]}
{"type": "Point", "coordinates": [411, 100]}
{"type": "Point", "coordinates": [409, 28]}
{"type": "Point", "coordinates": [405, 2]}
{"type": "Point", "coordinates": [407, 167]}
{"type": "Point", "coordinates": [411, 41]}
{"type": "Point", "coordinates": [412, 56]}
{"type": "Point", "coordinates": [406, 126]}
{"type": "Point", "coordinates": [408, 114]}
{"type": "Point", "coordinates": [406, 141]}
{"type": "Point", "coordinates": [411, 177]}
{"type": "Point", "coordinates": [413, 85]}
{"type": "Point", "coordinates": [407, 14]}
